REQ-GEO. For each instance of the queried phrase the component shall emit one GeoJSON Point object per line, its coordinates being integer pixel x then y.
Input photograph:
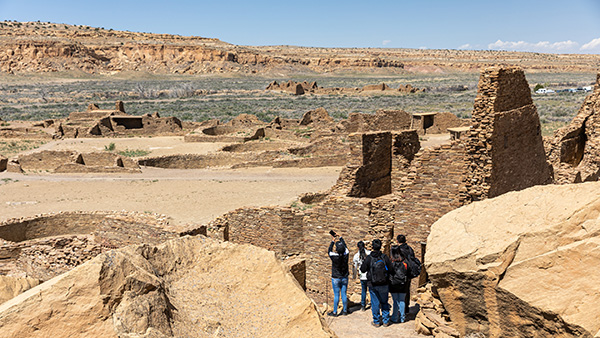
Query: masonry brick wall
{"type": "Point", "coordinates": [47, 159]}
{"type": "Point", "coordinates": [435, 186]}
{"type": "Point", "coordinates": [505, 126]}
{"type": "Point", "coordinates": [374, 178]}
{"type": "Point", "coordinates": [517, 152]}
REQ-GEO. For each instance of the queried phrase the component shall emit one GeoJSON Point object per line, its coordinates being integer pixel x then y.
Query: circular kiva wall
{"type": "Point", "coordinates": [46, 246]}
{"type": "Point", "coordinates": [116, 228]}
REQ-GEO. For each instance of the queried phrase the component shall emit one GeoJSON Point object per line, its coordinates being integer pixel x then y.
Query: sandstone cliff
{"type": "Point", "coordinates": [188, 287]}
{"type": "Point", "coordinates": [47, 47]}
{"type": "Point", "coordinates": [524, 264]}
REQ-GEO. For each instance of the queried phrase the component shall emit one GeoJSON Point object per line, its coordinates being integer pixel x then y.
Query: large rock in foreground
{"type": "Point", "coordinates": [525, 264]}
{"type": "Point", "coordinates": [188, 287]}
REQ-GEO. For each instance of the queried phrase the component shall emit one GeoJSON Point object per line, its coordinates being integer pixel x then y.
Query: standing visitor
{"type": "Point", "coordinates": [378, 267]}
{"type": "Point", "coordinates": [398, 285]}
{"type": "Point", "coordinates": [338, 252]}
{"type": "Point", "coordinates": [358, 259]}
{"type": "Point", "coordinates": [414, 266]}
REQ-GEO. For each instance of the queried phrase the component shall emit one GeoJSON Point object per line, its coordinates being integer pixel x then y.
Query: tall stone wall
{"type": "Point", "coordinates": [382, 120]}
{"type": "Point", "coordinates": [574, 150]}
{"type": "Point", "coordinates": [374, 177]}
{"type": "Point", "coordinates": [273, 228]}
{"type": "Point", "coordinates": [433, 186]}
{"type": "Point", "coordinates": [504, 146]}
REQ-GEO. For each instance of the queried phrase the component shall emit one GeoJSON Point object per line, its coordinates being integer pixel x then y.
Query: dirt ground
{"type": "Point", "coordinates": [187, 196]}
{"type": "Point", "coordinates": [156, 146]}
{"type": "Point", "coordinates": [358, 325]}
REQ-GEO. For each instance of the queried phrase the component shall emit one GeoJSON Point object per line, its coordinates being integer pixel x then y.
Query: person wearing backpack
{"type": "Point", "coordinates": [414, 266]}
{"type": "Point", "coordinates": [339, 273]}
{"type": "Point", "coordinates": [378, 267]}
{"type": "Point", "coordinates": [399, 282]}
{"type": "Point", "coordinates": [358, 260]}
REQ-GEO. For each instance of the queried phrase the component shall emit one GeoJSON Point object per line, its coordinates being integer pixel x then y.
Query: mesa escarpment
{"type": "Point", "coordinates": [35, 47]}
{"type": "Point", "coordinates": [45, 47]}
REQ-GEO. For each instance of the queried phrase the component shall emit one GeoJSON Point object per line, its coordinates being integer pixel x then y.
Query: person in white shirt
{"type": "Point", "coordinates": [358, 259]}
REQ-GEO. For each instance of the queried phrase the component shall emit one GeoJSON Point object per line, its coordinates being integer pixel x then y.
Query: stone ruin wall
{"type": "Point", "coordinates": [44, 246]}
{"type": "Point", "coordinates": [294, 233]}
{"type": "Point", "coordinates": [433, 187]}
{"type": "Point", "coordinates": [67, 161]}
{"type": "Point", "coordinates": [3, 163]}
{"type": "Point", "coordinates": [574, 149]}
{"type": "Point", "coordinates": [504, 145]}
{"type": "Point", "coordinates": [444, 120]}
{"type": "Point", "coordinates": [382, 120]}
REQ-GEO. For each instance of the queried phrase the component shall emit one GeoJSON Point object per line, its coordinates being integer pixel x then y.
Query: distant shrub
{"type": "Point", "coordinates": [133, 152]}
{"type": "Point", "coordinates": [110, 147]}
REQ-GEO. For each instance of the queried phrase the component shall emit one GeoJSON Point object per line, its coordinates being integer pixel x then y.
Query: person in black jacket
{"type": "Point", "coordinates": [339, 273]}
{"type": "Point", "coordinates": [399, 284]}
{"type": "Point", "coordinates": [378, 267]}
{"type": "Point", "coordinates": [408, 253]}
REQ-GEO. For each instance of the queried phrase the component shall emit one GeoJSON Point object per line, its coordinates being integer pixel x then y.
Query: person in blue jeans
{"type": "Point", "coordinates": [399, 285]}
{"type": "Point", "coordinates": [339, 253]}
{"type": "Point", "coordinates": [358, 259]}
{"type": "Point", "coordinates": [378, 267]}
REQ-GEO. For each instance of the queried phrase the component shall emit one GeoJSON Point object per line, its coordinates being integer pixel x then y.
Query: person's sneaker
{"type": "Point", "coordinates": [375, 324]}
{"type": "Point", "coordinates": [387, 324]}
{"type": "Point", "coordinates": [345, 313]}
{"type": "Point", "coordinates": [364, 308]}
{"type": "Point", "coordinates": [332, 314]}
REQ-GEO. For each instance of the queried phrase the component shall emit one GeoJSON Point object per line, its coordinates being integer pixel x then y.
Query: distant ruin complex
{"type": "Point", "coordinates": [301, 88]}
{"type": "Point", "coordinates": [95, 122]}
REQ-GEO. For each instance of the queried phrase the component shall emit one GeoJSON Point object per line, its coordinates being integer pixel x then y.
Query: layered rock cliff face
{"type": "Point", "coordinates": [524, 264]}
{"type": "Point", "coordinates": [188, 287]}
{"type": "Point", "coordinates": [46, 47]}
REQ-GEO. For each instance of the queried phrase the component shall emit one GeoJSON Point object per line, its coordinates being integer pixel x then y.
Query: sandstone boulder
{"type": "Point", "coordinates": [11, 286]}
{"type": "Point", "coordinates": [524, 264]}
{"type": "Point", "coordinates": [187, 287]}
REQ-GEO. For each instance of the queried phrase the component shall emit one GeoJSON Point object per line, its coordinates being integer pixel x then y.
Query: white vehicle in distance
{"type": "Point", "coordinates": [587, 88]}
{"type": "Point", "coordinates": [544, 91]}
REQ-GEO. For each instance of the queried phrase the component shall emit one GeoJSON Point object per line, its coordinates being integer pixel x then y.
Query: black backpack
{"type": "Point", "coordinates": [378, 271]}
{"type": "Point", "coordinates": [400, 275]}
{"type": "Point", "coordinates": [414, 267]}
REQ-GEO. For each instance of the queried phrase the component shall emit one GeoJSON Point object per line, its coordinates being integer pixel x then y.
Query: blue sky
{"type": "Point", "coordinates": [527, 25]}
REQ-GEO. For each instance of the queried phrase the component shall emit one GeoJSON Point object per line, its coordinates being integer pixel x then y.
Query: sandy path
{"type": "Point", "coordinates": [358, 325]}
{"type": "Point", "coordinates": [188, 196]}
{"type": "Point", "coordinates": [157, 146]}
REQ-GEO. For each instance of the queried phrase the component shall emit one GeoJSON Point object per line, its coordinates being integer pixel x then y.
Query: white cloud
{"type": "Point", "coordinates": [385, 42]}
{"type": "Point", "coordinates": [465, 46]}
{"type": "Point", "coordinates": [592, 46]}
{"type": "Point", "coordinates": [541, 47]}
